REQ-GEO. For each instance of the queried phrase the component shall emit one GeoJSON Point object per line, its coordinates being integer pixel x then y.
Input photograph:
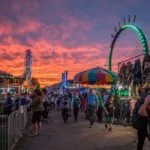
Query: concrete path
{"type": "Point", "coordinates": [78, 136]}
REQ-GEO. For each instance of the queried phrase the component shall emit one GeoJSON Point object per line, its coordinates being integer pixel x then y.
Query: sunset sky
{"type": "Point", "coordinates": [71, 35]}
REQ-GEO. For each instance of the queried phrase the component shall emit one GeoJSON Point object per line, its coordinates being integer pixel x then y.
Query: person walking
{"type": "Point", "coordinates": [141, 118]}
{"type": "Point", "coordinates": [52, 101]}
{"type": "Point", "coordinates": [144, 130]}
{"type": "Point", "coordinates": [66, 106]}
{"type": "Point", "coordinates": [58, 101]}
{"type": "Point", "coordinates": [92, 104]}
{"type": "Point", "coordinates": [37, 108]}
{"type": "Point", "coordinates": [100, 107]}
{"type": "Point", "coordinates": [76, 106]}
{"type": "Point", "coordinates": [46, 105]}
{"type": "Point", "coordinates": [8, 105]}
{"type": "Point", "coordinates": [84, 101]}
{"type": "Point", "coordinates": [17, 102]}
{"type": "Point", "coordinates": [109, 108]}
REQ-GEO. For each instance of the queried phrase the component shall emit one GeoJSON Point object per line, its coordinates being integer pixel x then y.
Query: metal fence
{"type": "Point", "coordinates": [3, 132]}
{"type": "Point", "coordinates": [12, 128]}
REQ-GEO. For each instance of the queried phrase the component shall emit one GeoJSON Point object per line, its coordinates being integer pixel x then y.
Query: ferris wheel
{"type": "Point", "coordinates": [28, 65]}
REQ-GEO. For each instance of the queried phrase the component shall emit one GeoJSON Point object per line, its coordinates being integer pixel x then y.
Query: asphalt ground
{"type": "Point", "coordinates": [78, 136]}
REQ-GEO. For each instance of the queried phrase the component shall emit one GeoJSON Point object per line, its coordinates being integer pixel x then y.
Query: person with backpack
{"type": "Point", "coordinates": [66, 106]}
{"type": "Point", "coordinates": [92, 104]}
{"type": "Point", "coordinates": [109, 112]}
{"type": "Point", "coordinates": [141, 118]}
{"type": "Point", "coordinates": [37, 108]}
{"type": "Point", "coordinates": [76, 107]}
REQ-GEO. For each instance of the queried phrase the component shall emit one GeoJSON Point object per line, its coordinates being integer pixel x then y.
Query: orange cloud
{"type": "Point", "coordinates": [60, 37]}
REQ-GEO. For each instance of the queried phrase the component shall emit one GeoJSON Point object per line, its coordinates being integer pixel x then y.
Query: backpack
{"type": "Point", "coordinates": [65, 102]}
{"type": "Point", "coordinates": [46, 105]}
{"type": "Point", "coordinates": [76, 103]}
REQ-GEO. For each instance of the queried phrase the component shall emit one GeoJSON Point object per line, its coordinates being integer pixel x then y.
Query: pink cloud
{"type": "Point", "coordinates": [60, 40]}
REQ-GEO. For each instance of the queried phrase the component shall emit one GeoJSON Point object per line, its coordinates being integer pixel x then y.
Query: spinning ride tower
{"type": "Point", "coordinates": [28, 65]}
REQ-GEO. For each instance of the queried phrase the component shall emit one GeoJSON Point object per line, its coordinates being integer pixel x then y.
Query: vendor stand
{"type": "Point", "coordinates": [134, 74]}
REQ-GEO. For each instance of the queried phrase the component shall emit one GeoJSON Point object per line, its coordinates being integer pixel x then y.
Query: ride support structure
{"type": "Point", "coordinates": [122, 28]}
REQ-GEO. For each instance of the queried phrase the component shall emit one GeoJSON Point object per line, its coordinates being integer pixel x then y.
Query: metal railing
{"type": "Point", "coordinates": [3, 132]}
{"type": "Point", "coordinates": [12, 128]}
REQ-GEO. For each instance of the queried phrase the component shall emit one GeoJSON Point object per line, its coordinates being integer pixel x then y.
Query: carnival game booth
{"type": "Point", "coordinates": [134, 74]}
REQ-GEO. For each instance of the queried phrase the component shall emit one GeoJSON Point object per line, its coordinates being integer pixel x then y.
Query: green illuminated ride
{"type": "Point", "coordinates": [140, 35]}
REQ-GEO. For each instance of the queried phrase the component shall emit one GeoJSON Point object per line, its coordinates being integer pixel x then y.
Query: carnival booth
{"type": "Point", "coordinates": [133, 75]}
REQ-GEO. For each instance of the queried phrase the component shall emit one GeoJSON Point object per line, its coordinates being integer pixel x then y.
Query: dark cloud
{"type": "Point", "coordinates": [7, 56]}
{"type": "Point", "coordinates": [78, 56]}
{"type": "Point", "coordinates": [67, 22]}
{"type": "Point", "coordinates": [17, 54]}
{"type": "Point", "coordinates": [79, 29]}
{"type": "Point", "coordinates": [22, 39]}
{"type": "Point", "coordinates": [52, 55]}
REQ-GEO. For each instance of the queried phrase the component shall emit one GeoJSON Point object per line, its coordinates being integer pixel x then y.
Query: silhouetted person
{"type": "Point", "coordinates": [8, 105]}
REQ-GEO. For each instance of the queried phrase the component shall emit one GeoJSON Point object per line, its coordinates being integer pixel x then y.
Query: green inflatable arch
{"type": "Point", "coordinates": [140, 35]}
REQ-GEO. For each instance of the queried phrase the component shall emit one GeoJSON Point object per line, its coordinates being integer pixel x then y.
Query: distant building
{"type": "Point", "coordinates": [4, 74]}
{"type": "Point", "coordinates": [9, 83]}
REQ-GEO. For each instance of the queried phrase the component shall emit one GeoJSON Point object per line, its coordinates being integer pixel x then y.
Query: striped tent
{"type": "Point", "coordinates": [96, 76]}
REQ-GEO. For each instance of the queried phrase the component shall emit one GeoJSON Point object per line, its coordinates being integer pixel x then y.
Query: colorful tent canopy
{"type": "Point", "coordinates": [96, 76]}
{"type": "Point", "coordinates": [96, 86]}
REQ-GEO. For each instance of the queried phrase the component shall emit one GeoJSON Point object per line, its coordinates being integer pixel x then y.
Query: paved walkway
{"type": "Point", "coordinates": [78, 136]}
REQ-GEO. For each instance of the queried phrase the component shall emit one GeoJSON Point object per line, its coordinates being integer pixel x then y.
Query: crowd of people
{"type": "Point", "coordinates": [93, 104]}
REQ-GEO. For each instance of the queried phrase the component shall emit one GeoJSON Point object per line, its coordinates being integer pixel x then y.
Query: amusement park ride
{"type": "Point", "coordinates": [125, 26]}
{"type": "Point", "coordinates": [10, 83]}
{"type": "Point", "coordinates": [129, 24]}
{"type": "Point", "coordinates": [28, 66]}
